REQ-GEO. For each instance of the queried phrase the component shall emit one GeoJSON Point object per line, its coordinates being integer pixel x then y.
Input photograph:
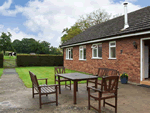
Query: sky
{"type": "Point", "coordinates": [45, 20]}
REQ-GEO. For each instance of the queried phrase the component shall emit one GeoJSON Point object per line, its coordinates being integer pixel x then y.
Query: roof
{"type": "Point", "coordinates": [138, 20]}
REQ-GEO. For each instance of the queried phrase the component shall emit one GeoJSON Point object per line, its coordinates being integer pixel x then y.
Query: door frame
{"type": "Point", "coordinates": [141, 59]}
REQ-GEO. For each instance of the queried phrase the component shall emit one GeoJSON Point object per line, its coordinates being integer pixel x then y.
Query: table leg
{"type": "Point", "coordinates": [96, 80]}
{"type": "Point", "coordinates": [59, 84]}
{"type": "Point", "coordinates": [75, 88]}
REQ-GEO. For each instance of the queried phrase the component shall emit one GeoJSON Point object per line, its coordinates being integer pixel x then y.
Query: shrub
{"type": "Point", "coordinates": [39, 60]}
{"type": "Point", "coordinates": [1, 60]}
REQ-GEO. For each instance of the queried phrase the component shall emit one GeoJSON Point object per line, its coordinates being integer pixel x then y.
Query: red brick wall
{"type": "Point", "coordinates": [128, 61]}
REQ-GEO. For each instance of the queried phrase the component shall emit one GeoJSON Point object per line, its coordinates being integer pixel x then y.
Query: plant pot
{"type": "Point", "coordinates": [124, 80]}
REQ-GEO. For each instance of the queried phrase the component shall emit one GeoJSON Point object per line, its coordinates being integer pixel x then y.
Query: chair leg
{"type": "Point", "coordinates": [70, 85]}
{"type": "Point", "coordinates": [88, 98]}
{"type": "Point", "coordinates": [32, 91]}
{"type": "Point", "coordinates": [100, 95]}
{"type": "Point", "coordinates": [46, 94]}
{"type": "Point", "coordinates": [104, 103]}
{"type": "Point", "coordinates": [65, 84]}
{"type": "Point", "coordinates": [56, 95]}
{"type": "Point", "coordinates": [40, 100]}
{"type": "Point", "coordinates": [87, 84]}
{"type": "Point", "coordinates": [116, 103]}
{"type": "Point", "coordinates": [99, 106]}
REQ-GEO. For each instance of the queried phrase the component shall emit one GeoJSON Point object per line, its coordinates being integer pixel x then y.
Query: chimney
{"type": "Point", "coordinates": [125, 16]}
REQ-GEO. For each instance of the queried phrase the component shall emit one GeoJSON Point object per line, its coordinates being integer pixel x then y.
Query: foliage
{"type": "Point", "coordinates": [70, 33]}
{"type": "Point", "coordinates": [5, 42]}
{"type": "Point", "coordinates": [30, 45]}
{"type": "Point", "coordinates": [1, 60]}
{"type": "Point", "coordinates": [40, 72]}
{"type": "Point", "coordinates": [84, 22]}
{"type": "Point", "coordinates": [93, 18]}
{"type": "Point", "coordinates": [39, 60]}
{"type": "Point", "coordinates": [124, 75]}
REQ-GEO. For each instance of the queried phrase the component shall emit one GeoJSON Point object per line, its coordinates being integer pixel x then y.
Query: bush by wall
{"type": "Point", "coordinates": [1, 60]}
{"type": "Point", "coordinates": [39, 60]}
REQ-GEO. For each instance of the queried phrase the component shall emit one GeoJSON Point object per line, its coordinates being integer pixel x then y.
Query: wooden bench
{"type": "Point", "coordinates": [43, 89]}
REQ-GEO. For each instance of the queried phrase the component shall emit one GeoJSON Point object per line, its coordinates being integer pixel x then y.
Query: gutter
{"type": "Point", "coordinates": [111, 38]}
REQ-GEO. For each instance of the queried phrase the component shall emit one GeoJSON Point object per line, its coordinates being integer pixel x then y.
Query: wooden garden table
{"type": "Point", "coordinates": [75, 77]}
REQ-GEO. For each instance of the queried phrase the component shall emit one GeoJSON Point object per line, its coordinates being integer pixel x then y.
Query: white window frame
{"type": "Point", "coordinates": [81, 48]}
{"type": "Point", "coordinates": [110, 46]}
{"type": "Point", "coordinates": [67, 53]}
{"type": "Point", "coordinates": [97, 51]}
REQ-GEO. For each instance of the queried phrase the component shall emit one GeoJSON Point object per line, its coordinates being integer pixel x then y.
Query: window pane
{"type": "Point", "coordinates": [113, 52]}
{"type": "Point", "coordinates": [84, 53]}
{"type": "Point", "coordinates": [80, 54]}
{"type": "Point", "coordinates": [94, 52]}
{"type": "Point", "coordinates": [71, 53]}
{"type": "Point", "coordinates": [66, 53]}
{"type": "Point", "coordinates": [113, 44]}
{"type": "Point", "coordinates": [99, 51]}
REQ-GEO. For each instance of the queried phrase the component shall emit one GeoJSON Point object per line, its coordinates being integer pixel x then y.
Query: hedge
{"type": "Point", "coordinates": [39, 60]}
{"type": "Point", "coordinates": [1, 60]}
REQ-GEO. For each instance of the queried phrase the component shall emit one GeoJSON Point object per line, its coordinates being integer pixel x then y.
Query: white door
{"type": "Point", "coordinates": [146, 61]}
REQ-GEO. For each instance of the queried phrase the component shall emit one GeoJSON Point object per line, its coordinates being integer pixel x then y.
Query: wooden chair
{"type": "Point", "coordinates": [43, 89]}
{"type": "Point", "coordinates": [101, 72]}
{"type": "Point", "coordinates": [112, 72]}
{"type": "Point", "coordinates": [61, 70]}
{"type": "Point", "coordinates": [109, 89]}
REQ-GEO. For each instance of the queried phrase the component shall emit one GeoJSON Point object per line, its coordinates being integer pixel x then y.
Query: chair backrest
{"type": "Point", "coordinates": [34, 79]}
{"type": "Point", "coordinates": [59, 70]}
{"type": "Point", "coordinates": [112, 72]}
{"type": "Point", "coordinates": [110, 84]}
{"type": "Point", "coordinates": [102, 72]}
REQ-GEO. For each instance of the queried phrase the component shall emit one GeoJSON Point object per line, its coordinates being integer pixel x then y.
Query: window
{"type": "Point", "coordinates": [69, 53]}
{"type": "Point", "coordinates": [82, 52]}
{"type": "Point", "coordinates": [97, 50]}
{"type": "Point", "coordinates": [112, 50]}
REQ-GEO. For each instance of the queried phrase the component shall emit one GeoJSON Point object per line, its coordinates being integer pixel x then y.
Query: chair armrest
{"type": "Point", "coordinates": [49, 85]}
{"type": "Point", "coordinates": [94, 89]}
{"type": "Point", "coordinates": [42, 79]}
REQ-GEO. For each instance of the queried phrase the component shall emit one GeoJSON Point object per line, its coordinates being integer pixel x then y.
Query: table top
{"type": "Point", "coordinates": [77, 76]}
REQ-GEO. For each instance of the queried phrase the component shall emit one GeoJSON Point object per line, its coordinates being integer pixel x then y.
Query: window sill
{"type": "Point", "coordinates": [112, 58]}
{"type": "Point", "coordinates": [82, 59]}
{"type": "Point", "coordinates": [96, 58]}
{"type": "Point", "coordinates": [69, 59]}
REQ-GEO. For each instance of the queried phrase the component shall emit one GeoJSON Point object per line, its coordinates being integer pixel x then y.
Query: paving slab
{"type": "Point", "coordinates": [16, 98]}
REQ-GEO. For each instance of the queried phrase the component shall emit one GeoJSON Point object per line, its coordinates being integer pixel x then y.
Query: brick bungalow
{"type": "Point", "coordinates": [122, 43]}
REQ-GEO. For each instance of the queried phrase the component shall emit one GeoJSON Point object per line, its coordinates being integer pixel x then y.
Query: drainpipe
{"type": "Point", "coordinates": [126, 25]}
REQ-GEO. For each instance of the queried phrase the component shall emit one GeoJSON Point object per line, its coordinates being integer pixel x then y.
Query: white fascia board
{"type": "Point", "coordinates": [111, 38]}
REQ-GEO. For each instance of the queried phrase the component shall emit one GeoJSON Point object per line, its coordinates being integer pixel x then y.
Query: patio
{"type": "Point", "coordinates": [15, 97]}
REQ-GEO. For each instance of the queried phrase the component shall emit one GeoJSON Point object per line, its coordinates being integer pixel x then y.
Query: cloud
{"type": "Point", "coordinates": [47, 18]}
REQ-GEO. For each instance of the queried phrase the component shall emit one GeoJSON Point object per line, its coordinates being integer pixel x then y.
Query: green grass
{"type": "Point", "coordinates": [1, 72]}
{"type": "Point", "coordinates": [40, 72]}
{"type": "Point", "coordinates": [8, 57]}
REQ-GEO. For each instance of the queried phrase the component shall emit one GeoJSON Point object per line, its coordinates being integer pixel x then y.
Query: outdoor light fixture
{"type": "Point", "coordinates": [135, 45]}
{"type": "Point", "coordinates": [121, 51]}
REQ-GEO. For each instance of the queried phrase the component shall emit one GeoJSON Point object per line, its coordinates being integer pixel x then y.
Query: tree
{"type": "Point", "coordinates": [70, 33]}
{"type": "Point", "coordinates": [5, 42]}
{"type": "Point", "coordinates": [93, 18]}
{"type": "Point", "coordinates": [84, 22]}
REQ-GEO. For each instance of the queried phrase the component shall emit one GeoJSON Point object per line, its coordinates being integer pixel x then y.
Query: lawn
{"type": "Point", "coordinates": [8, 57]}
{"type": "Point", "coordinates": [1, 72]}
{"type": "Point", "coordinates": [40, 72]}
